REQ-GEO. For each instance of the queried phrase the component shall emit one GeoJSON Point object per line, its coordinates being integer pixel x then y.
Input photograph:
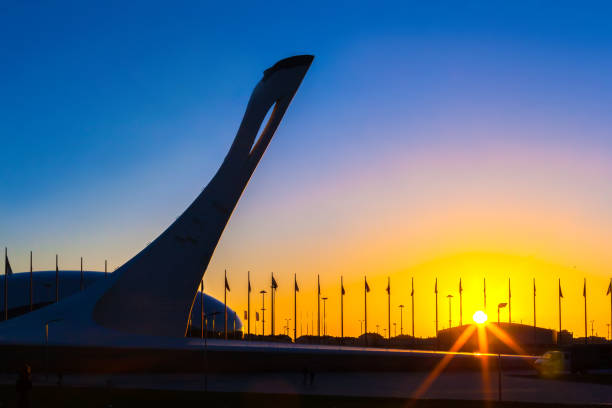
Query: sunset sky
{"type": "Point", "coordinates": [425, 141]}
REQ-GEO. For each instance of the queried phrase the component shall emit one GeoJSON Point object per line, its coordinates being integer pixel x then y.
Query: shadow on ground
{"type": "Point", "coordinates": [95, 397]}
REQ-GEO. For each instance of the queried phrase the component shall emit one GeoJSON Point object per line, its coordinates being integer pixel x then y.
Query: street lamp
{"type": "Point", "coordinates": [401, 319]}
{"type": "Point", "coordinates": [263, 314]}
{"type": "Point", "coordinates": [450, 315]}
{"type": "Point", "coordinates": [324, 325]}
{"type": "Point", "coordinates": [500, 306]}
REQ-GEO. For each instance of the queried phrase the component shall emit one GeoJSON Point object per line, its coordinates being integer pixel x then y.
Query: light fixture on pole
{"type": "Point", "coordinates": [263, 310]}
{"type": "Point", "coordinates": [500, 306]}
{"type": "Point", "coordinates": [324, 323]}
{"type": "Point", "coordinates": [401, 319]}
{"type": "Point", "coordinates": [450, 314]}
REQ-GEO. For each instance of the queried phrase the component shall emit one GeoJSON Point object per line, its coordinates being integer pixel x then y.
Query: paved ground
{"type": "Point", "coordinates": [457, 385]}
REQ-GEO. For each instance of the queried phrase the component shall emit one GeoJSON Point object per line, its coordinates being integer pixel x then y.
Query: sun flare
{"type": "Point", "coordinates": [480, 317]}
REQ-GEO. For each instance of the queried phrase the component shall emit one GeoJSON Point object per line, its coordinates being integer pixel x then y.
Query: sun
{"type": "Point", "coordinates": [480, 317]}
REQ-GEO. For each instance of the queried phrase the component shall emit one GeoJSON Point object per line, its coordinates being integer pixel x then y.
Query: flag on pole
{"type": "Point", "coordinates": [534, 287]}
{"type": "Point", "coordinates": [560, 292]}
{"type": "Point", "coordinates": [367, 287]}
{"type": "Point", "coordinates": [227, 284]}
{"type": "Point", "coordinates": [297, 288]}
{"type": "Point", "coordinates": [412, 289]}
{"type": "Point", "coordinates": [342, 291]}
{"type": "Point", "coordinates": [318, 285]}
{"type": "Point", "coordinates": [246, 315]}
{"type": "Point", "coordinates": [7, 267]}
{"type": "Point", "coordinates": [436, 286]}
{"type": "Point", "coordinates": [256, 316]}
{"type": "Point", "coordinates": [274, 284]}
{"type": "Point", "coordinates": [584, 288]}
{"type": "Point", "coordinates": [388, 286]}
{"type": "Point", "coordinates": [249, 283]}
{"type": "Point", "coordinates": [609, 288]}
{"type": "Point", "coordinates": [460, 287]}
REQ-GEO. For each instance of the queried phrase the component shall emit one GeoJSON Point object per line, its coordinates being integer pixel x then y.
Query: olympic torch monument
{"type": "Point", "coordinates": [152, 294]}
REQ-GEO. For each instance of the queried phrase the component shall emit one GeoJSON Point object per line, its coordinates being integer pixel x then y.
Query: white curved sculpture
{"type": "Point", "coordinates": [160, 282]}
{"type": "Point", "coordinates": [70, 284]}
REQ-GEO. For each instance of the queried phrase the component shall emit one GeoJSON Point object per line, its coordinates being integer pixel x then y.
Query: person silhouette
{"type": "Point", "coordinates": [24, 387]}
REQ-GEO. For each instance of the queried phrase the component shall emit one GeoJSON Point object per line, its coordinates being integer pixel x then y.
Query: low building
{"type": "Point", "coordinates": [525, 338]}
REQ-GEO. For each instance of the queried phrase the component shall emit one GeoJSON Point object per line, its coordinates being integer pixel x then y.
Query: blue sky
{"type": "Point", "coordinates": [114, 115]}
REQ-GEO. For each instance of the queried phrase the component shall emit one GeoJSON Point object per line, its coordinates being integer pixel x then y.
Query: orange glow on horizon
{"type": "Point", "coordinates": [470, 266]}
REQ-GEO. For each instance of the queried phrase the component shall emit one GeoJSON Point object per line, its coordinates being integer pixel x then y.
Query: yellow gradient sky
{"type": "Point", "coordinates": [494, 212]}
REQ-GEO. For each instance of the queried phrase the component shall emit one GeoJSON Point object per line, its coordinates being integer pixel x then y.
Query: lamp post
{"type": "Point", "coordinates": [401, 319]}
{"type": "Point", "coordinates": [263, 314]}
{"type": "Point", "coordinates": [394, 329]}
{"type": "Point", "coordinates": [46, 325]}
{"type": "Point", "coordinates": [450, 315]}
{"type": "Point", "coordinates": [324, 323]}
{"type": "Point", "coordinates": [500, 306]}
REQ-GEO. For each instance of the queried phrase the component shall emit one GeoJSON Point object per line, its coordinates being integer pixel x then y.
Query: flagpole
{"type": "Point", "coordinates": [5, 283]}
{"type": "Point", "coordinates": [295, 308]}
{"type": "Point", "coordinates": [412, 295]}
{"type": "Point", "coordinates": [610, 292]}
{"type": "Point", "coordinates": [272, 296]}
{"type": "Point", "coordinates": [484, 286]}
{"type": "Point", "coordinates": [509, 302]}
{"type": "Point", "coordinates": [436, 292]}
{"type": "Point", "coordinates": [56, 280]}
{"type": "Point", "coordinates": [534, 311]}
{"type": "Point", "coordinates": [365, 309]}
{"type": "Point", "coordinates": [249, 304]}
{"type": "Point", "coordinates": [31, 283]}
{"type": "Point", "coordinates": [460, 303]}
{"type": "Point", "coordinates": [389, 305]}
{"type": "Point", "coordinates": [318, 306]}
{"type": "Point", "coordinates": [341, 309]}
{"type": "Point", "coordinates": [586, 337]}
{"type": "Point", "coordinates": [225, 303]}
{"type": "Point", "coordinates": [81, 274]}
{"type": "Point", "coordinates": [559, 309]}
{"type": "Point", "coordinates": [272, 317]}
